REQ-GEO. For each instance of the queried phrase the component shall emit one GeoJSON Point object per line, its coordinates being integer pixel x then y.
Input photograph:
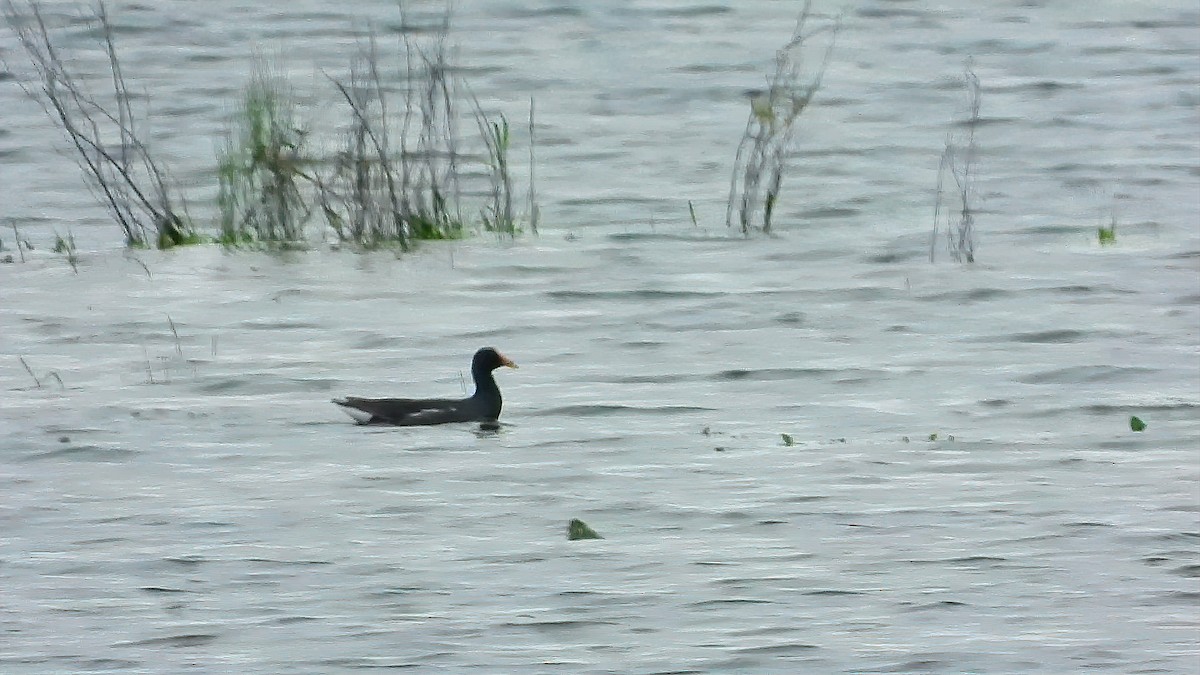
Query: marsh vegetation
{"type": "Point", "coordinates": [397, 176]}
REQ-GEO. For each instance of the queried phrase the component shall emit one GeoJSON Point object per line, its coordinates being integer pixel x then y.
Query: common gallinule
{"type": "Point", "coordinates": [483, 406]}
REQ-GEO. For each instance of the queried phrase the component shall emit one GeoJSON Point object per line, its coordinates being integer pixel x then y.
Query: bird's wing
{"type": "Point", "coordinates": [401, 411]}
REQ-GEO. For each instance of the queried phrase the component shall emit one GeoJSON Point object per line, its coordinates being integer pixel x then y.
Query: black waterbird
{"type": "Point", "coordinates": [482, 406]}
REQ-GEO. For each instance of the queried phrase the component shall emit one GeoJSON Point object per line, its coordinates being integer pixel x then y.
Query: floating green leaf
{"type": "Point", "coordinates": [1136, 423]}
{"type": "Point", "coordinates": [577, 529]}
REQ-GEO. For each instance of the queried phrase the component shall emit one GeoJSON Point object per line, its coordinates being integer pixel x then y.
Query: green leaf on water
{"type": "Point", "coordinates": [788, 440]}
{"type": "Point", "coordinates": [577, 529]}
{"type": "Point", "coordinates": [1136, 423]}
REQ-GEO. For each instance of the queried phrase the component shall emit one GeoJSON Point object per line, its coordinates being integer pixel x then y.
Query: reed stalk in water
{"type": "Point", "coordinates": [106, 136]}
{"type": "Point", "coordinates": [958, 164]}
{"type": "Point", "coordinates": [435, 190]}
{"type": "Point", "coordinates": [363, 195]}
{"type": "Point", "coordinates": [761, 159]}
{"type": "Point", "coordinates": [67, 247]}
{"type": "Point", "coordinates": [497, 214]}
{"type": "Point", "coordinates": [534, 208]}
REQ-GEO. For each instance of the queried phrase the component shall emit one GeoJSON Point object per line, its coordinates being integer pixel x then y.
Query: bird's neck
{"type": "Point", "coordinates": [485, 384]}
{"type": "Point", "coordinates": [487, 393]}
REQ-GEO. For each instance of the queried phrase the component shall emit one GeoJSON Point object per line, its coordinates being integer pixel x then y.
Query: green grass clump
{"type": "Point", "coordinates": [1108, 235]}
{"type": "Point", "coordinates": [234, 239]}
{"type": "Point", "coordinates": [259, 169]}
{"type": "Point", "coordinates": [178, 233]}
{"type": "Point", "coordinates": [67, 247]}
{"type": "Point", "coordinates": [577, 529]}
{"type": "Point", "coordinates": [435, 227]}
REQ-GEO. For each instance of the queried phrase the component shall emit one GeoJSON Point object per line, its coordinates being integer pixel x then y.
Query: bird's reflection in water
{"type": "Point", "coordinates": [488, 428]}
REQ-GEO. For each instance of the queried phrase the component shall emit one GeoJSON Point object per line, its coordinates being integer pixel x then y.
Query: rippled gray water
{"type": "Point", "coordinates": [962, 494]}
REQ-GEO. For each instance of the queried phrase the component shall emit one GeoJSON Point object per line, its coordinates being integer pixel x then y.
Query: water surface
{"type": "Point", "coordinates": [962, 492]}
